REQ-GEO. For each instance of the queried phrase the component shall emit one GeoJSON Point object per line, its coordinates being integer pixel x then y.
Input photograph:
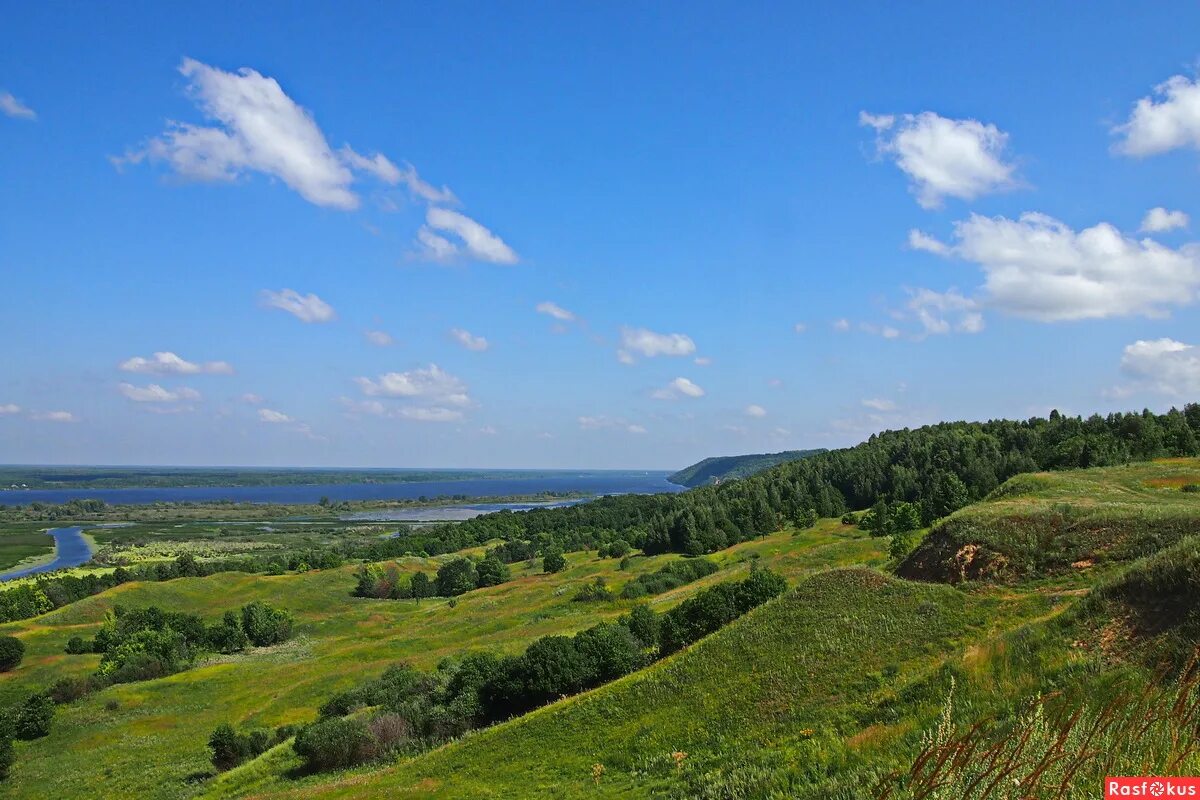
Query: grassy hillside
{"type": "Point", "coordinates": [790, 679]}
{"type": "Point", "coordinates": [1054, 523]}
{"type": "Point", "coordinates": [723, 468]}
{"type": "Point", "coordinates": [145, 739]}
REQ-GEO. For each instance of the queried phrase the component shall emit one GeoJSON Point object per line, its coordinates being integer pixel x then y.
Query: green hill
{"type": "Point", "coordinates": [723, 468]}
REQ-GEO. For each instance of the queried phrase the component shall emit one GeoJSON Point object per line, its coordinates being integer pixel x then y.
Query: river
{"type": "Point", "coordinates": [595, 482]}
{"type": "Point", "coordinates": [70, 550]}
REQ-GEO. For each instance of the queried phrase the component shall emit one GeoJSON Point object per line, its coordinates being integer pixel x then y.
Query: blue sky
{"type": "Point", "coordinates": [584, 235]}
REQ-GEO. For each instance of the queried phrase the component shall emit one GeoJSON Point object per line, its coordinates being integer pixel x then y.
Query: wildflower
{"type": "Point", "coordinates": [679, 756]}
{"type": "Point", "coordinates": [597, 771]}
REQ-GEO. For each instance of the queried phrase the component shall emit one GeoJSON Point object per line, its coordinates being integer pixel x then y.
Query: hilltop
{"type": "Point", "coordinates": [723, 468]}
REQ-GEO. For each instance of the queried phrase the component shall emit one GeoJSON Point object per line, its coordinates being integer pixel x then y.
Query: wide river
{"type": "Point", "coordinates": [598, 482]}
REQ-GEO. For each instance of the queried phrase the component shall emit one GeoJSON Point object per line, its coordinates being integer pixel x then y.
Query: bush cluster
{"type": "Point", "coordinates": [453, 578]}
{"type": "Point", "coordinates": [672, 576]}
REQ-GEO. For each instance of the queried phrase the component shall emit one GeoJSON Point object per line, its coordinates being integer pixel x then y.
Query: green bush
{"type": "Point", "coordinates": [264, 625]}
{"type": "Point", "coordinates": [334, 743]}
{"type": "Point", "coordinates": [12, 650]}
{"type": "Point", "coordinates": [596, 591]}
{"type": "Point", "coordinates": [554, 561]}
{"type": "Point", "coordinates": [672, 576]}
{"type": "Point", "coordinates": [33, 718]}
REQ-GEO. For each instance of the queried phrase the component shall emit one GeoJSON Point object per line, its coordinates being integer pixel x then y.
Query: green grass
{"type": "Point", "coordinates": [155, 738]}
{"type": "Point", "coordinates": [25, 544]}
{"type": "Point", "coordinates": [1059, 523]}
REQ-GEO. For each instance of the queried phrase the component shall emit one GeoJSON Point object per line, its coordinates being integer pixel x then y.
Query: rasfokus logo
{"type": "Point", "coordinates": [1151, 787]}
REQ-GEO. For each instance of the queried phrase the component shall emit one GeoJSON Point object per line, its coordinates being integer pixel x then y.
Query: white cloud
{"type": "Point", "coordinates": [488, 430]}
{"type": "Point", "coordinates": [426, 191]}
{"type": "Point", "coordinates": [250, 398]}
{"type": "Point", "coordinates": [304, 307]}
{"type": "Point", "coordinates": [1165, 366]}
{"type": "Point", "coordinates": [1160, 220]}
{"type": "Point", "coordinates": [609, 423]}
{"type": "Point", "coordinates": [432, 383]}
{"type": "Point", "coordinates": [153, 393]}
{"type": "Point", "coordinates": [961, 158]}
{"type": "Point", "coordinates": [555, 311]}
{"type": "Point", "coordinates": [272, 416]}
{"type": "Point", "coordinates": [258, 129]}
{"type": "Point", "coordinates": [433, 414]}
{"type": "Point", "coordinates": [800, 327]}
{"type": "Point", "coordinates": [378, 165]}
{"type": "Point", "coordinates": [677, 387]}
{"type": "Point", "coordinates": [9, 408]}
{"type": "Point", "coordinates": [941, 312]}
{"type": "Point", "coordinates": [919, 240]}
{"type": "Point", "coordinates": [650, 344]}
{"type": "Point", "coordinates": [468, 340]}
{"type": "Point", "coordinates": [1038, 267]}
{"type": "Point", "coordinates": [702, 361]}
{"type": "Point", "coordinates": [167, 363]}
{"type": "Point", "coordinates": [879, 404]}
{"type": "Point", "coordinates": [54, 416]}
{"type": "Point", "coordinates": [753, 410]}
{"type": "Point", "coordinates": [379, 338]}
{"type": "Point", "coordinates": [886, 331]}
{"type": "Point", "coordinates": [841, 325]}
{"type": "Point", "coordinates": [1169, 120]}
{"type": "Point", "coordinates": [477, 242]}
{"type": "Point", "coordinates": [12, 107]}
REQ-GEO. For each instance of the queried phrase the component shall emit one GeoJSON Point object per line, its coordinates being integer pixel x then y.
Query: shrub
{"type": "Point", "coordinates": [230, 748]}
{"type": "Point", "coordinates": [12, 650]}
{"type": "Point", "coordinates": [228, 636]}
{"type": "Point", "coordinates": [68, 690]}
{"type": "Point", "coordinates": [492, 572]}
{"type": "Point", "coordinates": [1190, 487]}
{"type": "Point", "coordinates": [594, 592]}
{"type": "Point", "coordinates": [334, 743]}
{"type": "Point", "coordinates": [34, 717]}
{"type": "Point", "coordinates": [7, 756]}
{"type": "Point", "coordinates": [77, 645]}
{"type": "Point", "coordinates": [554, 561]}
{"type": "Point", "coordinates": [672, 576]}
{"type": "Point", "coordinates": [264, 625]}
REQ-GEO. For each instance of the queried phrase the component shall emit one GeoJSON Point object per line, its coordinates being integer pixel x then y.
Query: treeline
{"type": "Point", "coordinates": [48, 592]}
{"type": "Point", "coordinates": [412, 710]}
{"type": "Point", "coordinates": [938, 469]}
{"type": "Point", "coordinates": [453, 578]}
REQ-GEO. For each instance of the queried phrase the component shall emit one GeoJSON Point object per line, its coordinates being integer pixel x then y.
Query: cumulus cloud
{"type": "Point", "coordinates": [153, 393]}
{"type": "Point", "coordinates": [9, 408]}
{"type": "Point", "coordinates": [379, 338]}
{"type": "Point", "coordinates": [1160, 220]}
{"type": "Point", "coordinates": [432, 383]}
{"type": "Point", "coordinates": [753, 410]}
{"type": "Point", "coordinates": [474, 240]}
{"type": "Point", "coordinates": [942, 312]}
{"type": "Point", "coordinates": [12, 107]}
{"type": "Point", "coordinates": [273, 417]}
{"type": "Point", "coordinates": [800, 327]}
{"type": "Point", "coordinates": [886, 331]}
{"type": "Point", "coordinates": [1168, 119]}
{"type": "Point", "coordinates": [942, 157]}
{"type": "Point", "coordinates": [609, 423]}
{"type": "Point", "coordinates": [54, 416]}
{"type": "Point", "coordinates": [1163, 365]}
{"type": "Point", "coordinates": [879, 404]}
{"type": "Point", "coordinates": [468, 340]}
{"type": "Point", "coordinates": [167, 363]}
{"type": "Point", "coordinates": [649, 344]}
{"type": "Point", "coordinates": [919, 240]}
{"type": "Point", "coordinates": [841, 325]}
{"type": "Point", "coordinates": [1040, 268]}
{"type": "Point", "coordinates": [676, 388]}
{"type": "Point", "coordinates": [258, 128]}
{"type": "Point", "coordinates": [555, 311]}
{"type": "Point", "coordinates": [304, 307]}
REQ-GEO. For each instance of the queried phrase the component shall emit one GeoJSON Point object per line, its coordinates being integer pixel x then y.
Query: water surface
{"type": "Point", "coordinates": [70, 550]}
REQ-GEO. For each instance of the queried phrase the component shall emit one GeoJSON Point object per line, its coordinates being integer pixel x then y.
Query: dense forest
{"type": "Point", "coordinates": [937, 468]}
{"type": "Point", "coordinates": [724, 468]}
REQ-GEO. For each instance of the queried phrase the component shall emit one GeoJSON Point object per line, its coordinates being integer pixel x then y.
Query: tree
{"type": "Point", "coordinates": [554, 561]}
{"type": "Point", "coordinates": [421, 585]}
{"type": "Point", "coordinates": [334, 743]}
{"type": "Point", "coordinates": [905, 517]}
{"type": "Point", "coordinates": [12, 650]}
{"type": "Point", "coordinates": [228, 748]}
{"type": "Point", "coordinates": [34, 717]}
{"type": "Point", "coordinates": [265, 625]}
{"type": "Point", "coordinates": [491, 572]}
{"type": "Point", "coordinates": [456, 577]}
{"type": "Point", "coordinates": [643, 624]}
{"type": "Point", "coordinates": [878, 519]}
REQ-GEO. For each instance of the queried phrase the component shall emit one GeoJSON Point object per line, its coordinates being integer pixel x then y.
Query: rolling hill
{"type": "Point", "coordinates": [723, 468]}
